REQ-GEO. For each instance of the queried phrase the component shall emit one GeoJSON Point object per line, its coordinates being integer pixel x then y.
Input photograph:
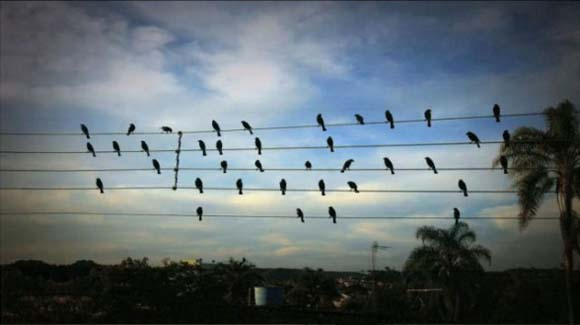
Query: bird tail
{"type": "Point", "coordinates": [259, 151]}
{"type": "Point", "coordinates": [331, 149]}
{"type": "Point", "coordinates": [148, 155]}
{"type": "Point", "coordinates": [323, 128]}
{"type": "Point", "coordinates": [102, 191]}
{"type": "Point", "coordinates": [224, 170]}
{"type": "Point", "coordinates": [204, 153]}
{"type": "Point", "coordinates": [128, 133]}
{"type": "Point", "coordinates": [252, 133]}
{"type": "Point", "coordinates": [118, 154]}
{"type": "Point", "coordinates": [219, 133]}
{"type": "Point", "coordinates": [342, 170]}
{"type": "Point", "coordinates": [497, 119]}
{"type": "Point", "coordinates": [199, 218]}
{"type": "Point", "coordinates": [200, 191]}
{"type": "Point", "coordinates": [356, 190]}
{"type": "Point", "coordinates": [158, 172]}
{"type": "Point", "coordinates": [435, 170]}
{"type": "Point", "coordinates": [505, 171]}
{"type": "Point", "coordinates": [323, 194]}
{"type": "Point", "coordinates": [478, 145]}
{"type": "Point", "coordinates": [392, 125]}
{"type": "Point", "coordinates": [392, 172]}
{"type": "Point", "coordinates": [465, 193]}
{"type": "Point", "coordinates": [240, 192]}
{"type": "Point", "coordinates": [261, 170]}
{"type": "Point", "coordinates": [283, 192]}
{"type": "Point", "coordinates": [428, 123]}
{"type": "Point", "coordinates": [333, 220]}
{"type": "Point", "coordinates": [221, 153]}
{"type": "Point", "coordinates": [94, 154]}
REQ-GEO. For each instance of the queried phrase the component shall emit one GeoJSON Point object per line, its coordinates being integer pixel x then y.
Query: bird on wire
{"type": "Point", "coordinates": [220, 147]}
{"type": "Point", "coordinates": [389, 165]}
{"type": "Point", "coordinates": [456, 215]}
{"type": "Point", "coordinates": [332, 214]}
{"type": "Point", "coordinates": [504, 164]}
{"type": "Point", "coordinates": [117, 148]}
{"type": "Point", "coordinates": [322, 187]}
{"type": "Point", "coordinates": [85, 130]}
{"type": "Point", "coordinates": [390, 119]}
{"type": "Point", "coordinates": [199, 185]}
{"type": "Point", "coordinates": [506, 138]}
{"type": "Point", "coordinates": [202, 147]}
{"type": "Point", "coordinates": [100, 185]}
{"type": "Point", "coordinates": [473, 138]}
{"type": "Point", "coordinates": [156, 166]}
{"type": "Point", "coordinates": [300, 214]}
{"type": "Point", "coordinates": [224, 165]}
{"type": "Point", "coordinates": [166, 129]}
{"type": "Point", "coordinates": [283, 186]}
{"type": "Point", "coordinates": [496, 112]}
{"type": "Point", "coordinates": [145, 147]}
{"type": "Point", "coordinates": [431, 164]}
{"type": "Point", "coordinates": [258, 145]}
{"type": "Point", "coordinates": [308, 165]}
{"type": "Point", "coordinates": [353, 186]}
{"type": "Point", "coordinates": [91, 149]}
{"type": "Point", "coordinates": [346, 165]}
{"type": "Point", "coordinates": [320, 122]}
{"type": "Point", "coordinates": [258, 165]}
{"type": "Point", "coordinates": [216, 127]}
{"type": "Point", "coordinates": [240, 186]}
{"type": "Point", "coordinates": [428, 117]}
{"type": "Point", "coordinates": [199, 213]}
{"type": "Point", "coordinates": [330, 144]}
{"type": "Point", "coordinates": [247, 126]}
{"type": "Point", "coordinates": [462, 187]}
{"type": "Point", "coordinates": [359, 119]}
{"type": "Point", "coordinates": [131, 129]}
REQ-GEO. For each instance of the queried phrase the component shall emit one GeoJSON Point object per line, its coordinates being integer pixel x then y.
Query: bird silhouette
{"type": "Point", "coordinates": [199, 212]}
{"type": "Point", "coordinates": [428, 117]}
{"type": "Point", "coordinates": [346, 165]}
{"type": "Point", "coordinates": [330, 144]}
{"type": "Point", "coordinates": [332, 214]}
{"type": "Point", "coordinates": [300, 214]}
{"type": "Point", "coordinates": [216, 127]}
{"type": "Point", "coordinates": [431, 164]}
{"type": "Point", "coordinates": [308, 165]}
{"type": "Point", "coordinates": [199, 185]}
{"type": "Point", "coordinates": [506, 138]}
{"type": "Point", "coordinates": [156, 166]}
{"type": "Point", "coordinates": [283, 186]}
{"type": "Point", "coordinates": [240, 186]}
{"type": "Point", "coordinates": [359, 118]}
{"type": "Point", "coordinates": [322, 187]}
{"type": "Point", "coordinates": [145, 147]}
{"type": "Point", "coordinates": [166, 129]}
{"type": "Point", "coordinates": [131, 129]}
{"type": "Point", "coordinates": [353, 186]}
{"type": "Point", "coordinates": [117, 148]}
{"type": "Point", "coordinates": [320, 122]}
{"type": "Point", "coordinates": [258, 165]}
{"type": "Point", "coordinates": [496, 112]}
{"type": "Point", "coordinates": [462, 187]}
{"type": "Point", "coordinates": [247, 126]}
{"type": "Point", "coordinates": [258, 145]}
{"type": "Point", "coordinates": [91, 149]}
{"type": "Point", "coordinates": [456, 215]}
{"type": "Point", "coordinates": [390, 119]}
{"type": "Point", "coordinates": [389, 165]}
{"type": "Point", "coordinates": [100, 185]}
{"type": "Point", "coordinates": [85, 130]}
{"type": "Point", "coordinates": [473, 138]}
{"type": "Point", "coordinates": [504, 164]}
{"type": "Point", "coordinates": [220, 147]}
{"type": "Point", "coordinates": [224, 165]}
{"type": "Point", "coordinates": [202, 147]}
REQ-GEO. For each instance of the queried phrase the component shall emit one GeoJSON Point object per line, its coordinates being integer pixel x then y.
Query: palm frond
{"type": "Point", "coordinates": [531, 188]}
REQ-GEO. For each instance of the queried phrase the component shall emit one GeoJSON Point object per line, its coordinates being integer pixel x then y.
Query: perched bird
{"type": "Point", "coordinates": [462, 187]}
{"type": "Point", "coordinates": [202, 147]}
{"type": "Point", "coordinates": [390, 119]}
{"type": "Point", "coordinates": [332, 214]}
{"type": "Point", "coordinates": [224, 165]}
{"type": "Point", "coordinates": [145, 147]}
{"type": "Point", "coordinates": [91, 149]}
{"type": "Point", "coordinates": [100, 185]}
{"type": "Point", "coordinates": [247, 126]}
{"type": "Point", "coordinates": [431, 164]}
{"type": "Point", "coordinates": [166, 129]}
{"type": "Point", "coordinates": [258, 165]}
{"type": "Point", "coordinates": [504, 164]}
{"type": "Point", "coordinates": [456, 215]}
{"type": "Point", "coordinates": [359, 119]}
{"type": "Point", "coordinates": [199, 212]}
{"type": "Point", "coordinates": [258, 145]}
{"type": "Point", "coordinates": [131, 129]}
{"type": "Point", "coordinates": [353, 186]}
{"type": "Point", "coordinates": [220, 147]}
{"type": "Point", "coordinates": [320, 121]}
{"type": "Point", "coordinates": [117, 148]}
{"type": "Point", "coordinates": [283, 186]}
{"type": "Point", "coordinates": [346, 165]}
{"type": "Point", "coordinates": [428, 117]}
{"type": "Point", "coordinates": [216, 127]}
{"type": "Point", "coordinates": [156, 166]}
{"type": "Point", "coordinates": [308, 165]}
{"type": "Point", "coordinates": [199, 185]}
{"type": "Point", "coordinates": [506, 138]}
{"type": "Point", "coordinates": [300, 214]}
{"type": "Point", "coordinates": [322, 187]}
{"type": "Point", "coordinates": [496, 112]}
{"type": "Point", "coordinates": [473, 138]}
{"type": "Point", "coordinates": [330, 144]}
{"type": "Point", "coordinates": [85, 130]}
{"type": "Point", "coordinates": [240, 186]}
{"type": "Point", "coordinates": [389, 165]}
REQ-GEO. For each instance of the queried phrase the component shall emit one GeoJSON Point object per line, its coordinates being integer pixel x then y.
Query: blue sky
{"type": "Point", "coordinates": [184, 64]}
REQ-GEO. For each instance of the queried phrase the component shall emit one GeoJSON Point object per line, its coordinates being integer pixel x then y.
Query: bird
{"type": "Point", "coordinates": [258, 165]}
{"type": "Point", "coordinates": [85, 130]}
{"type": "Point", "coordinates": [224, 165]}
{"type": "Point", "coordinates": [199, 212]}
{"type": "Point", "coordinates": [216, 127]}
{"type": "Point", "coordinates": [239, 185]}
{"type": "Point", "coordinates": [456, 215]}
{"type": "Point", "coordinates": [330, 143]}
{"type": "Point", "coordinates": [496, 112]}
{"type": "Point", "coordinates": [389, 165]}
{"type": "Point", "coordinates": [202, 147]}
{"type": "Point", "coordinates": [390, 119]}
{"type": "Point", "coordinates": [346, 165]}
{"type": "Point", "coordinates": [220, 147]}
{"type": "Point", "coordinates": [431, 164]}
{"type": "Point", "coordinates": [462, 186]}
{"type": "Point", "coordinates": [91, 149]}
{"type": "Point", "coordinates": [320, 121]}
{"type": "Point", "coordinates": [258, 145]}
{"type": "Point", "coordinates": [322, 187]}
{"type": "Point", "coordinates": [131, 129]}
{"type": "Point", "coordinates": [145, 147]}
{"type": "Point", "coordinates": [332, 214]}
{"type": "Point", "coordinates": [117, 148]}
{"type": "Point", "coordinates": [199, 185]}
{"type": "Point", "coordinates": [300, 214]}
{"type": "Point", "coordinates": [156, 166]}
{"type": "Point", "coordinates": [359, 118]}
{"type": "Point", "coordinates": [283, 186]}
{"type": "Point", "coordinates": [428, 117]}
{"type": "Point", "coordinates": [166, 129]}
{"type": "Point", "coordinates": [353, 186]}
{"type": "Point", "coordinates": [504, 164]}
{"type": "Point", "coordinates": [506, 138]}
{"type": "Point", "coordinates": [473, 137]}
{"type": "Point", "coordinates": [247, 126]}
{"type": "Point", "coordinates": [100, 185]}
{"type": "Point", "coordinates": [308, 165]}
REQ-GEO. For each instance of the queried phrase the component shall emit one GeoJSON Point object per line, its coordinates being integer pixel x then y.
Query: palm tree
{"type": "Point", "coordinates": [541, 160]}
{"type": "Point", "coordinates": [238, 277]}
{"type": "Point", "coordinates": [448, 257]}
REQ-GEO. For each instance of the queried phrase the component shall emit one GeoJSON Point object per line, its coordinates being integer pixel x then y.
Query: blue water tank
{"type": "Point", "coordinates": [268, 296]}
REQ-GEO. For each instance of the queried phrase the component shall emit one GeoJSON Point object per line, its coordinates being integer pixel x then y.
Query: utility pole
{"type": "Point", "coordinates": [374, 249]}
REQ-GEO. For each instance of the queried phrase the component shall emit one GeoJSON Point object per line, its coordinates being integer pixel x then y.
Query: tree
{"type": "Point", "coordinates": [314, 289]}
{"type": "Point", "coordinates": [238, 277]}
{"type": "Point", "coordinates": [541, 160]}
{"type": "Point", "coordinates": [448, 258]}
